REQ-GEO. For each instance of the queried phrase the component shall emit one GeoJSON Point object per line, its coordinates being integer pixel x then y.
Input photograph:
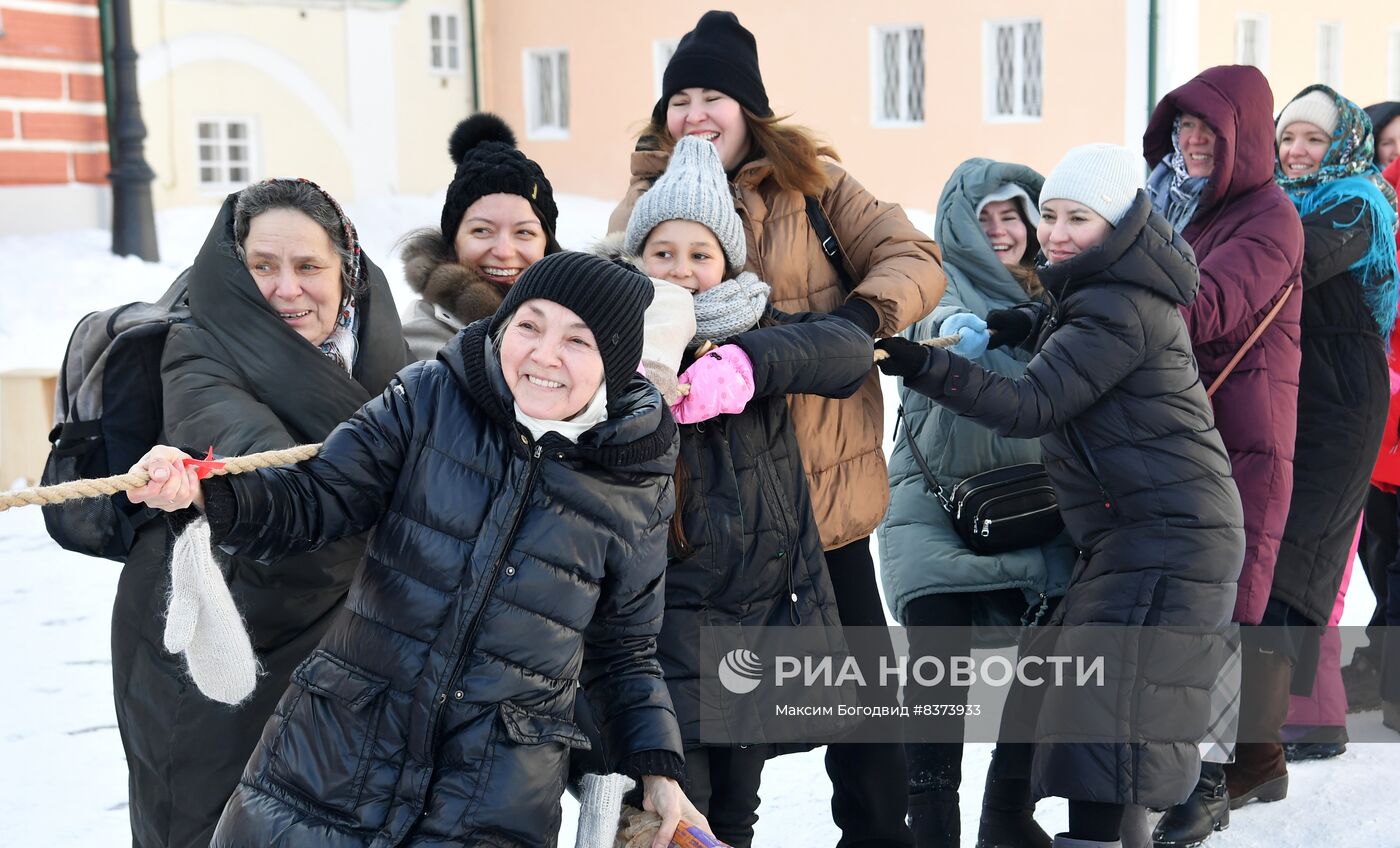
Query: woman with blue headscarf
{"type": "Point", "coordinates": [1326, 167]}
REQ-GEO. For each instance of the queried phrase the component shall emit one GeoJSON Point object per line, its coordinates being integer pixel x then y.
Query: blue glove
{"type": "Point", "coordinates": [971, 331]}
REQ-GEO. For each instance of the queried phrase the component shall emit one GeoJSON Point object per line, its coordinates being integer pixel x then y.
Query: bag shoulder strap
{"type": "Point", "coordinates": [919, 460]}
{"type": "Point", "coordinates": [1249, 342]}
{"type": "Point", "coordinates": [827, 238]}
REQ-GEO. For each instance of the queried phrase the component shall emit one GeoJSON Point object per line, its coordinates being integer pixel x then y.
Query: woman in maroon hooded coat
{"type": "Point", "coordinates": [1211, 142]}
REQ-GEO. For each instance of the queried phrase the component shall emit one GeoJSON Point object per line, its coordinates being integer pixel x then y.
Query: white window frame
{"type": "Point", "coordinates": [535, 127]}
{"type": "Point", "coordinates": [1329, 67]}
{"type": "Point", "coordinates": [1261, 39]}
{"type": "Point", "coordinates": [444, 42]}
{"type": "Point", "coordinates": [222, 164]}
{"type": "Point", "coordinates": [1018, 114]}
{"type": "Point", "coordinates": [662, 49]}
{"type": "Point", "coordinates": [1393, 68]}
{"type": "Point", "coordinates": [877, 76]}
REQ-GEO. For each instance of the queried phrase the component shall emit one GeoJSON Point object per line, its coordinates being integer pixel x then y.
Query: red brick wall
{"type": "Point", "coordinates": [53, 125]}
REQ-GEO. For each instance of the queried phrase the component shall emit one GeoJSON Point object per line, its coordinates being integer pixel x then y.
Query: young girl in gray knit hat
{"type": "Point", "coordinates": [744, 547]}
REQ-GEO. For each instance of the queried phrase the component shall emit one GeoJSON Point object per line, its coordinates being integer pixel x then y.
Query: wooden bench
{"type": "Point", "coordinates": [26, 417]}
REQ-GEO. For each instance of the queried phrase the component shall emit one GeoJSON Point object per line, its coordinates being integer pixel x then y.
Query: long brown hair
{"type": "Point", "coordinates": [793, 150]}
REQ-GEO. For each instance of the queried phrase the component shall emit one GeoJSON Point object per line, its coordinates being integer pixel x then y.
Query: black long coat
{"type": "Point", "coordinates": [1343, 392]}
{"type": "Point", "coordinates": [500, 573]}
{"type": "Point", "coordinates": [227, 383]}
{"type": "Point", "coordinates": [755, 554]}
{"type": "Point", "coordinates": [1143, 481]}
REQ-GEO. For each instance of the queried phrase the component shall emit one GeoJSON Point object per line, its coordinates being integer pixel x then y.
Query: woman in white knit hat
{"type": "Point", "coordinates": [1143, 482]}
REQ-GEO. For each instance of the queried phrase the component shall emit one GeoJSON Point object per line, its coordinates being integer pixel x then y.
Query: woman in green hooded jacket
{"type": "Point", "coordinates": [986, 226]}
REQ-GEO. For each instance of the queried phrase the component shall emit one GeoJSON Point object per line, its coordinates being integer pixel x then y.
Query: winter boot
{"type": "Point", "coordinates": [1063, 841]}
{"type": "Point", "coordinates": [1362, 681]}
{"type": "Point", "coordinates": [1295, 752]}
{"type": "Point", "coordinates": [1259, 772]}
{"type": "Point", "coordinates": [1390, 714]}
{"type": "Point", "coordinates": [1206, 810]}
{"type": "Point", "coordinates": [1008, 819]}
{"type": "Point", "coordinates": [933, 817]}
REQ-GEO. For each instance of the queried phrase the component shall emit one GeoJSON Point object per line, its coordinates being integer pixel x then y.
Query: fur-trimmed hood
{"type": "Point", "coordinates": [611, 248]}
{"type": "Point", "coordinates": [431, 271]}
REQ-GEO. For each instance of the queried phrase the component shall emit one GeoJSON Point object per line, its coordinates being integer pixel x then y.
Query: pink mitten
{"type": "Point", "coordinates": [720, 382]}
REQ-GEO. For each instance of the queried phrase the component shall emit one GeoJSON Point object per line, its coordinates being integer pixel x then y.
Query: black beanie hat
{"type": "Point", "coordinates": [719, 54]}
{"type": "Point", "coordinates": [488, 162]}
{"type": "Point", "coordinates": [610, 297]}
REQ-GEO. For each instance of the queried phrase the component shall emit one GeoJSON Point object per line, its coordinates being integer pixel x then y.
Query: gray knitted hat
{"type": "Point", "coordinates": [1104, 177]}
{"type": "Point", "coordinates": [694, 188]}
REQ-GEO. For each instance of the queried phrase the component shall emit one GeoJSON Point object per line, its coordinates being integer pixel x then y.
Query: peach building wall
{"type": "Point", "coordinates": [1292, 55]}
{"type": "Point", "coordinates": [816, 62]}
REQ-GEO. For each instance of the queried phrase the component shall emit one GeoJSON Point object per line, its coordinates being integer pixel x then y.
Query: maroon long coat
{"type": "Point", "coordinates": [1249, 242]}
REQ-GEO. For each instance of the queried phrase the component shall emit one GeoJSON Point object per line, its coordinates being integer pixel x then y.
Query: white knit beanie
{"type": "Point", "coordinates": [694, 188]}
{"type": "Point", "coordinates": [1104, 177]}
{"type": "Point", "coordinates": [1315, 107]}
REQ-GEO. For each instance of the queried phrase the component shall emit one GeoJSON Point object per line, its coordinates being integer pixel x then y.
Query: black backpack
{"type": "Point", "coordinates": [107, 414]}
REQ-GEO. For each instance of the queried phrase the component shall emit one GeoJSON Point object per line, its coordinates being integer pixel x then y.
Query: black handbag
{"type": "Point", "coordinates": [1000, 510]}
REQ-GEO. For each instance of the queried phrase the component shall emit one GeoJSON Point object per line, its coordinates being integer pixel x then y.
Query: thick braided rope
{"type": "Point", "coordinates": [103, 486]}
{"type": "Point", "coordinates": [941, 341]}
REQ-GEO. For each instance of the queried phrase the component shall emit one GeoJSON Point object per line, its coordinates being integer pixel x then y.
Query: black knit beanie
{"type": "Point", "coordinates": [719, 54]}
{"type": "Point", "coordinates": [610, 297]}
{"type": "Point", "coordinates": [488, 162]}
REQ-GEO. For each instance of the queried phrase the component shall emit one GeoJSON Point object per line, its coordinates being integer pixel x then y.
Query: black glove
{"type": "Point", "coordinates": [1009, 327]}
{"type": "Point", "coordinates": [860, 313]}
{"type": "Point", "coordinates": [903, 358]}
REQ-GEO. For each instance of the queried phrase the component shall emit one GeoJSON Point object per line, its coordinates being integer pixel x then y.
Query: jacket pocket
{"type": "Point", "coordinates": [521, 775]}
{"type": "Point", "coordinates": [526, 728]}
{"type": "Point", "coordinates": [322, 749]}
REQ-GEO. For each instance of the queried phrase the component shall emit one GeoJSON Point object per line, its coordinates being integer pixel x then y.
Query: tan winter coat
{"type": "Point", "coordinates": [900, 276]}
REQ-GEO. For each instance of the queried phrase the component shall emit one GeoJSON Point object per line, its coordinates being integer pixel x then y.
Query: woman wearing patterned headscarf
{"type": "Point", "coordinates": [1326, 167]}
{"type": "Point", "coordinates": [292, 329]}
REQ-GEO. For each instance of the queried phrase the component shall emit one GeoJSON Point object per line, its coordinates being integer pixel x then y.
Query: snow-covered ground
{"type": "Point", "coordinates": [62, 773]}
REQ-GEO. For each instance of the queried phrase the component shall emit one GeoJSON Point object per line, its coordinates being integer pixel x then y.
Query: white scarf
{"type": "Point", "coordinates": [594, 413]}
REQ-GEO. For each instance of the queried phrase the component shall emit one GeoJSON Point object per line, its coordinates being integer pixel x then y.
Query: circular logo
{"type": "Point", "coordinates": [740, 671]}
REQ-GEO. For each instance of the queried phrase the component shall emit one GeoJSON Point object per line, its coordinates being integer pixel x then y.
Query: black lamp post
{"type": "Point", "coordinates": [133, 216]}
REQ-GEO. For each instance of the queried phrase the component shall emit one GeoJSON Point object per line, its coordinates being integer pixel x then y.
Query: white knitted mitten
{"type": "Point", "coordinates": [600, 808]}
{"type": "Point", "coordinates": [203, 623]}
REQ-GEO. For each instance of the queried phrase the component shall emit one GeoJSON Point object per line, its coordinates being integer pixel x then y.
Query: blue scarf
{"type": "Point", "coordinates": [1174, 192]}
{"type": "Point", "coordinates": [1348, 172]}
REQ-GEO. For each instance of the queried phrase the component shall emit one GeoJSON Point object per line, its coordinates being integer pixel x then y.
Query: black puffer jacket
{"type": "Point", "coordinates": [224, 380]}
{"type": "Point", "coordinates": [1144, 483]}
{"type": "Point", "coordinates": [754, 555]}
{"type": "Point", "coordinates": [500, 572]}
{"type": "Point", "coordinates": [1343, 393]}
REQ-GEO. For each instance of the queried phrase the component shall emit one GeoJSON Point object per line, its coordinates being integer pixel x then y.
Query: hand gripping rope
{"type": "Point", "coordinates": [103, 486]}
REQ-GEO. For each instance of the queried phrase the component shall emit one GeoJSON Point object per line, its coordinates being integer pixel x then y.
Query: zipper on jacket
{"type": "Point", "coordinates": [475, 623]}
{"type": "Point", "coordinates": [1077, 442]}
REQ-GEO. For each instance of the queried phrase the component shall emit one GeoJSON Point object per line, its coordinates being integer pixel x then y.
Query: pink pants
{"type": "Point", "coordinates": [1327, 706]}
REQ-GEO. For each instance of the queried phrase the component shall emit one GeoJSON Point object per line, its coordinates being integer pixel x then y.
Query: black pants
{"type": "Point", "coordinates": [935, 766]}
{"type": "Point", "coordinates": [869, 782]}
{"type": "Point", "coordinates": [1379, 551]}
{"type": "Point", "coordinates": [723, 784]}
{"type": "Point", "coordinates": [1095, 821]}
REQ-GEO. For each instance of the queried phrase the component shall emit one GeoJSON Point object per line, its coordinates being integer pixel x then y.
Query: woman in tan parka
{"type": "Point", "coordinates": [712, 87]}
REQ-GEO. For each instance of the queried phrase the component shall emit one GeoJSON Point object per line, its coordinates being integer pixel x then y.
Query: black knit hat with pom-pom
{"type": "Point", "coordinates": [488, 162]}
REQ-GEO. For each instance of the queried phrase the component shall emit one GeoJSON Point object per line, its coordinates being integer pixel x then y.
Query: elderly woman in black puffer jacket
{"type": "Point", "coordinates": [1142, 478]}
{"type": "Point", "coordinates": [519, 488]}
{"type": "Point", "coordinates": [279, 288]}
